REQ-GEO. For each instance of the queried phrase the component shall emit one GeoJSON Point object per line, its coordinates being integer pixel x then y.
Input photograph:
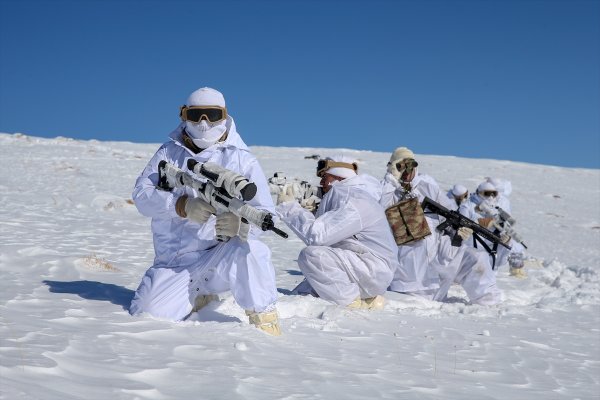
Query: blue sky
{"type": "Point", "coordinates": [513, 80]}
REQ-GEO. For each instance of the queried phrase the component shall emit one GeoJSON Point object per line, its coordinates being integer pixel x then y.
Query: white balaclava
{"type": "Point", "coordinates": [401, 153]}
{"type": "Point", "coordinates": [204, 133]}
{"type": "Point", "coordinates": [487, 187]}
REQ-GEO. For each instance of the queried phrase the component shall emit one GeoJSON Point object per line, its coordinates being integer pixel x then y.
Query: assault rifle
{"type": "Point", "coordinates": [224, 189]}
{"type": "Point", "coordinates": [309, 196]}
{"type": "Point", "coordinates": [503, 221]}
{"type": "Point", "coordinates": [456, 220]}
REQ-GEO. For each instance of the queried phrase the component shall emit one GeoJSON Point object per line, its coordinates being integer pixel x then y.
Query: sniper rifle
{"type": "Point", "coordinates": [224, 189]}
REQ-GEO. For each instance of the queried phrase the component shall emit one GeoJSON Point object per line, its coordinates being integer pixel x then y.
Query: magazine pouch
{"type": "Point", "coordinates": [407, 221]}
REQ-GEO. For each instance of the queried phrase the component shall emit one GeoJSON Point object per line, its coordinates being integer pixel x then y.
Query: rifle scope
{"type": "Point", "coordinates": [233, 183]}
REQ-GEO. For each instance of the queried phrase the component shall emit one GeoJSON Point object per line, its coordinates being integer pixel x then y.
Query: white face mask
{"type": "Point", "coordinates": [204, 134]}
{"type": "Point", "coordinates": [490, 201]}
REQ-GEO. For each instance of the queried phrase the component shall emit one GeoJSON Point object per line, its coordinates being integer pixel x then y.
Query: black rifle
{"type": "Point", "coordinates": [456, 220]}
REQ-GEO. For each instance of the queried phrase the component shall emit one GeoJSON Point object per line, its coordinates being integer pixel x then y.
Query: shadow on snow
{"type": "Point", "coordinates": [94, 291]}
{"type": "Point", "coordinates": [294, 272]}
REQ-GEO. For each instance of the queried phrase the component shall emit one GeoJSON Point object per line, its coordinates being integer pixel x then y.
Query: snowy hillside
{"type": "Point", "coordinates": [73, 249]}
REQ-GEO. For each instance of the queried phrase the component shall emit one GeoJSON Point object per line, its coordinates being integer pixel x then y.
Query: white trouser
{"type": "Point", "coordinates": [242, 267]}
{"type": "Point", "coordinates": [340, 275]}
{"type": "Point", "coordinates": [415, 273]}
{"type": "Point", "coordinates": [474, 273]}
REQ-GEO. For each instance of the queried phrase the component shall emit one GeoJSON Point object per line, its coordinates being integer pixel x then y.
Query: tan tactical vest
{"type": "Point", "coordinates": [407, 221]}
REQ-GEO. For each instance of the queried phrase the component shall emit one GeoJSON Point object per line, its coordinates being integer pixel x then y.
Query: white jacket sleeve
{"type": "Point", "coordinates": [149, 200]}
{"type": "Point", "coordinates": [468, 210]}
{"type": "Point", "coordinates": [330, 228]}
{"type": "Point", "coordinates": [388, 196]}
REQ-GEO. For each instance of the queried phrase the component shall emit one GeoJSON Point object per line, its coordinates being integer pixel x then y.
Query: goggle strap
{"type": "Point", "coordinates": [332, 164]}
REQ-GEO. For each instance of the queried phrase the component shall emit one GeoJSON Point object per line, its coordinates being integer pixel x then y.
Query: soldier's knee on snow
{"type": "Point", "coordinates": [308, 255]}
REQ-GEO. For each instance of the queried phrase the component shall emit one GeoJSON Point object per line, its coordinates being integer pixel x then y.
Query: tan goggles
{"type": "Point", "coordinates": [407, 164]}
{"type": "Point", "coordinates": [324, 165]}
{"type": "Point", "coordinates": [197, 113]}
{"type": "Point", "coordinates": [489, 193]}
{"type": "Point", "coordinates": [462, 196]}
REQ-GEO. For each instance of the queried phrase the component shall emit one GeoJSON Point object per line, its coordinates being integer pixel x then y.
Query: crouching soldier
{"type": "Point", "coordinates": [350, 255]}
{"type": "Point", "coordinates": [428, 262]}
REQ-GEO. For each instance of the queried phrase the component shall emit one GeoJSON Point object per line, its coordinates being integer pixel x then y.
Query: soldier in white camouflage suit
{"type": "Point", "coordinates": [350, 256]}
{"type": "Point", "coordinates": [191, 266]}
{"type": "Point", "coordinates": [429, 266]}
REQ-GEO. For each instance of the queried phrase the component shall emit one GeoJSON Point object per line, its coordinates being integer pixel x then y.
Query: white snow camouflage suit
{"type": "Point", "coordinates": [469, 209]}
{"type": "Point", "coordinates": [188, 260]}
{"type": "Point", "coordinates": [428, 267]}
{"type": "Point", "coordinates": [350, 249]}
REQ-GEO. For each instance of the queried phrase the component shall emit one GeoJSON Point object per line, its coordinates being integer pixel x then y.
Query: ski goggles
{"type": "Point", "coordinates": [489, 193]}
{"type": "Point", "coordinates": [461, 197]}
{"type": "Point", "coordinates": [197, 113]}
{"type": "Point", "coordinates": [324, 165]}
{"type": "Point", "coordinates": [407, 164]}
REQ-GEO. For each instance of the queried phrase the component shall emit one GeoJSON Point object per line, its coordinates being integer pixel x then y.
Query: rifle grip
{"type": "Point", "coordinates": [163, 183]}
{"type": "Point", "coordinates": [442, 227]}
{"type": "Point", "coordinates": [456, 240]}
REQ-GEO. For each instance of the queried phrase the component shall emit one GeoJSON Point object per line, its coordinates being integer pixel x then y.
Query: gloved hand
{"type": "Point", "coordinates": [464, 233]}
{"type": "Point", "coordinates": [505, 237]}
{"type": "Point", "coordinates": [286, 194]}
{"type": "Point", "coordinates": [228, 224]}
{"type": "Point", "coordinates": [244, 230]}
{"type": "Point", "coordinates": [486, 222]}
{"type": "Point", "coordinates": [311, 203]}
{"type": "Point", "coordinates": [195, 209]}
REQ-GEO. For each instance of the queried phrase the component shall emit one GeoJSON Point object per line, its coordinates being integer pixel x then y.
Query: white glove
{"type": "Point", "coordinates": [228, 224]}
{"type": "Point", "coordinates": [244, 230]}
{"type": "Point", "coordinates": [286, 194]}
{"type": "Point", "coordinates": [198, 210]}
{"type": "Point", "coordinates": [311, 203]}
{"type": "Point", "coordinates": [464, 233]}
{"type": "Point", "coordinates": [505, 237]}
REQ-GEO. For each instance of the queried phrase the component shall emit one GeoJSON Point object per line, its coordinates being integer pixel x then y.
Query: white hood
{"type": "Point", "coordinates": [363, 181]}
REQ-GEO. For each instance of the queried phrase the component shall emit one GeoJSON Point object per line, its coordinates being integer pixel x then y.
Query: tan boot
{"type": "Point", "coordinates": [202, 300]}
{"type": "Point", "coordinates": [266, 321]}
{"type": "Point", "coordinates": [518, 273]}
{"type": "Point", "coordinates": [373, 303]}
{"type": "Point", "coordinates": [355, 305]}
{"type": "Point", "coordinates": [370, 303]}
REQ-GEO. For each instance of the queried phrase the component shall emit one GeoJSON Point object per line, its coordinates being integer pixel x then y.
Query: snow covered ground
{"type": "Point", "coordinates": [73, 249]}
